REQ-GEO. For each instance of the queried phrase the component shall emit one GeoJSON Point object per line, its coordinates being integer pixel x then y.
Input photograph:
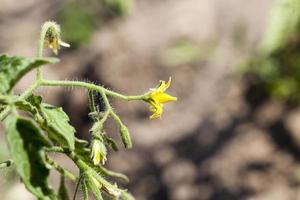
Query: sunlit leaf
{"type": "Point", "coordinates": [12, 68]}
{"type": "Point", "coordinates": [58, 125]}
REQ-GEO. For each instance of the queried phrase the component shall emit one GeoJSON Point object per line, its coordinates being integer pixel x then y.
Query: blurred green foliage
{"type": "Point", "coordinates": [78, 23]}
{"type": "Point", "coordinates": [277, 65]}
{"type": "Point", "coordinates": [119, 7]}
{"type": "Point", "coordinates": [184, 51]}
{"type": "Point", "coordinates": [80, 19]}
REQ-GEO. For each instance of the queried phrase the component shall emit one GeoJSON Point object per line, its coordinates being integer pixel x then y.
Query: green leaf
{"type": "Point", "coordinates": [25, 143]}
{"type": "Point", "coordinates": [52, 119]}
{"type": "Point", "coordinates": [119, 7]}
{"type": "Point", "coordinates": [58, 125]}
{"type": "Point", "coordinates": [62, 191]}
{"type": "Point", "coordinates": [13, 68]}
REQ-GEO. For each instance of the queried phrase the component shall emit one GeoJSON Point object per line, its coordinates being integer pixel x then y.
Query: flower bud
{"type": "Point", "coordinates": [125, 137]}
{"type": "Point", "coordinates": [98, 154]}
{"type": "Point", "coordinates": [52, 36]}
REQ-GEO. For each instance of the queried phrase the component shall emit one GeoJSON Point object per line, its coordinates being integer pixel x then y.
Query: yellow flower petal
{"type": "Point", "coordinates": [164, 86]}
{"type": "Point", "coordinates": [157, 111]}
{"type": "Point", "coordinates": [157, 97]}
{"type": "Point", "coordinates": [163, 98]}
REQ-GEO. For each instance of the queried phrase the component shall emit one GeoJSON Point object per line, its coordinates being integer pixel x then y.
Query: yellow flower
{"type": "Point", "coordinates": [52, 38]}
{"type": "Point", "coordinates": [157, 97]}
{"type": "Point", "coordinates": [98, 154]}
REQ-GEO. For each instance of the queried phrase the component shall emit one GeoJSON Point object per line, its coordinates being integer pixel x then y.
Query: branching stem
{"type": "Point", "coordinates": [79, 84]}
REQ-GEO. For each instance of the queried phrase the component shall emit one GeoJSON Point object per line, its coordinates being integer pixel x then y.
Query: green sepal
{"type": "Point", "coordinates": [84, 190]}
{"type": "Point", "coordinates": [92, 184]}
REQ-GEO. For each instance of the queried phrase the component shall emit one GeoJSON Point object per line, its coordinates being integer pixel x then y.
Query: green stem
{"type": "Point", "coordinates": [23, 96]}
{"type": "Point", "coordinates": [60, 169]}
{"type": "Point", "coordinates": [110, 109]}
{"type": "Point", "coordinates": [30, 90]}
{"type": "Point", "coordinates": [55, 149]}
{"type": "Point", "coordinates": [105, 116]}
{"type": "Point", "coordinates": [91, 101]}
{"type": "Point", "coordinates": [91, 86]}
{"type": "Point", "coordinates": [45, 27]}
{"type": "Point", "coordinates": [77, 187]}
{"type": "Point", "coordinates": [109, 173]}
{"type": "Point", "coordinates": [88, 86]}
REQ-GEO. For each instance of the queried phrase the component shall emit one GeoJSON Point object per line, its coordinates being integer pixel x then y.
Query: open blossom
{"type": "Point", "coordinates": [52, 38]}
{"type": "Point", "coordinates": [157, 97]}
{"type": "Point", "coordinates": [98, 154]}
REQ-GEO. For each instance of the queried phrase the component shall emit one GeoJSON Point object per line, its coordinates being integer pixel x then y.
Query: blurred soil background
{"type": "Point", "coordinates": [224, 139]}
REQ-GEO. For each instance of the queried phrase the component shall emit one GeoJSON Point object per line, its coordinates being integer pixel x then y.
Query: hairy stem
{"type": "Point", "coordinates": [80, 84]}
{"type": "Point", "coordinates": [43, 33]}
{"type": "Point", "coordinates": [91, 86]}
{"type": "Point", "coordinates": [23, 96]}
{"type": "Point", "coordinates": [60, 169]}
{"type": "Point", "coordinates": [91, 101]}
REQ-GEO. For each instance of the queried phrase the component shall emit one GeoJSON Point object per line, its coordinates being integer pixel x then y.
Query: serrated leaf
{"type": "Point", "coordinates": [25, 143]}
{"type": "Point", "coordinates": [12, 68]}
{"type": "Point", "coordinates": [58, 125]}
{"type": "Point", "coordinates": [52, 119]}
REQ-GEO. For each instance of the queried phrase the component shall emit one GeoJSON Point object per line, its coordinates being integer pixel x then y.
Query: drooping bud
{"type": "Point", "coordinates": [51, 36]}
{"type": "Point", "coordinates": [125, 137]}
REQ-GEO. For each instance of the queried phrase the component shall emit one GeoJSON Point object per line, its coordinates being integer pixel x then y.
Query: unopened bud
{"type": "Point", "coordinates": [125, 137]}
